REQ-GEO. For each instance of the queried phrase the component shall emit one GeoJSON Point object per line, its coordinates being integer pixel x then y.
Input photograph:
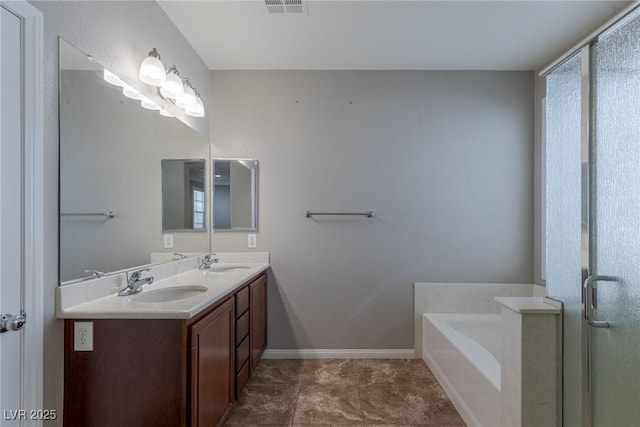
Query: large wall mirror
{"type": "Point", "coordinates": [112, 153]}
{"type": "Point", "coordinates": [235, 194]}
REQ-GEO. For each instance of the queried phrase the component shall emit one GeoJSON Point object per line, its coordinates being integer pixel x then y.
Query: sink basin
{"type": "Point", "coordinates": [225, 268]}
{"type": "Point", "coordinates": [169, 294]}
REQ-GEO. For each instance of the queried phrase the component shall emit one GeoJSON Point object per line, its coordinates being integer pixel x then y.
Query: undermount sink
{"type": "Point", "coordinates": [224, 268]}
{"type": "Point", "coordinates": [169, 294]}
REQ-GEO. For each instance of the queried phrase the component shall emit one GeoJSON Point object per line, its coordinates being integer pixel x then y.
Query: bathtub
{"type": "Point", "coordinates": [463, 351]}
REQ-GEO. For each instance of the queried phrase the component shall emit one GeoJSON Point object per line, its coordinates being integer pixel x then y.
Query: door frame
{"type": "Point", "coordinates": [32, 374]}
{"type": "Point", "coordinates": [585, 143]}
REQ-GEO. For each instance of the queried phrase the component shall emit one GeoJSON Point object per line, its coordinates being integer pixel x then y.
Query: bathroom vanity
{"type": "Point", "coordinates": [165, 363]}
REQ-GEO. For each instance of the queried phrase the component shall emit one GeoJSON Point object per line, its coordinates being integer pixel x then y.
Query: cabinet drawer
{"type": "Point", "coordinates": [242, 301]}
{"type": "Point", "coordinates": [242, 327]}
{"type": "Point", "coordinates": [242, 353]}
{"type": "Point", "coordinates": [241, 378]}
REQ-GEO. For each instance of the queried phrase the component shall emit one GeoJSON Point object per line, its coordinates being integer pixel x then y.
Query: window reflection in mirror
{"type": "Point", "coordinates": [235, 194]}
{"type": "Point", "coordinates": [183, 194]}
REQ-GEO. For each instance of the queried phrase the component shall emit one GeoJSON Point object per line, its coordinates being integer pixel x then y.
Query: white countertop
{"type": "Point", "coordinates": [85, 302]}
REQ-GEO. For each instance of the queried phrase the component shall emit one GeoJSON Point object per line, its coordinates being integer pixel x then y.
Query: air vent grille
{"type": "Point", "coordinates": [285, 6]}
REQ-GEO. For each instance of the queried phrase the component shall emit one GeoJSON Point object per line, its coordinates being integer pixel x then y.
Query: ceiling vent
{"type": "Point", "coordinates": [285, 6]}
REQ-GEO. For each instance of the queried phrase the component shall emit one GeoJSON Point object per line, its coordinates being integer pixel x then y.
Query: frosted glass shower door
{"type": "Point", "coordinates": [615, 228]}
{"type": "Point", "coordinates": [564, 250]}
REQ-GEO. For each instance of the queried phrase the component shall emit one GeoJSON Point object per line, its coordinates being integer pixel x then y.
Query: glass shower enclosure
{"type": "Point", "coordinates": [593, 224]}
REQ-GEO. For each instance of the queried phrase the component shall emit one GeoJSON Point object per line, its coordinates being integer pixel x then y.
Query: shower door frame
{"type": "Point", "coordinates": [585, 202]}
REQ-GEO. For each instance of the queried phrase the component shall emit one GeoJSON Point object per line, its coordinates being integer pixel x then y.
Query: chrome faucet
{"type": "Point", "coordinates": [179, 256]}
{"type": "Point", "coordinates": [207, 260]}
{"type": "Point", "coordinates": [134, 282]}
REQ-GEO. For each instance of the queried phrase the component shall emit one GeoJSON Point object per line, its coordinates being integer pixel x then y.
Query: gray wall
{"type": "Point", "coordinates": [445, 159]}
{"type": "Point", "coordinates": [118, 35]}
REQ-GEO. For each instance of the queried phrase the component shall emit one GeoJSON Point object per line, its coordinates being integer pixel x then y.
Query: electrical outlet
{"type": "Point", "coordinates": [168, 241]}
{"type": "Point", "coordinates": [83, 336]}
{"type": "Point", "coordinates": [252, 241]}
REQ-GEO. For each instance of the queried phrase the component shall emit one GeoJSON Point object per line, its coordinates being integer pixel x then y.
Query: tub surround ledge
{"type": "Point", "coordinates": [530, 361]}
{"type": "Point", "coordinates": [530, 305]}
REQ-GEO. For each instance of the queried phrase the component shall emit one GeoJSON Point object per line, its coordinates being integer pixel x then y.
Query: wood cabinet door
{"type": "Point", "coordinates": [258, 308]}
{"type": "Point", "coordinates": [212, 370]}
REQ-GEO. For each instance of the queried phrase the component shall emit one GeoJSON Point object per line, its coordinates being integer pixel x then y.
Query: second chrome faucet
{"type": "Point", "coordinates": [207, 260]}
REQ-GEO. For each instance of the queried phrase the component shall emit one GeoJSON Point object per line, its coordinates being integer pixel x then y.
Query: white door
{"type": "Point", "coordinates": [20, 215]}
{"type": "Point", "coordinates": [11, 226]}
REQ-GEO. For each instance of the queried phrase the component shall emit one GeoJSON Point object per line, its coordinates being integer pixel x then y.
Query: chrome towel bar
{"type": "Point", "coordinates": [368, 214]}
{"type": "Point", "coordinates": [109, 214]}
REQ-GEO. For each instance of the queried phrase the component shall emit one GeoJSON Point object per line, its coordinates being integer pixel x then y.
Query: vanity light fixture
{"type": "Point", "coordinates": [152, 70]}
{"type": "Point", "coordinates": [188, 98]}
{"type": "Point", "coordinates": [109, 77]}
{"type": "Point", "coordinates": [196, 110]}
{"type": "Point", "coordinates": [149, 104]}
{"type": "Point", "coordinates": [131, 93]}
{"type": "Point", "coordinates": [171, 86]}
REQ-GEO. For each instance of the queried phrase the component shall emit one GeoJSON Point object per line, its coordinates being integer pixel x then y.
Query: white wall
{"type": "Point", "coordinates": [118, 35]}
{"type": "Point", "coordinates": [445, 159]}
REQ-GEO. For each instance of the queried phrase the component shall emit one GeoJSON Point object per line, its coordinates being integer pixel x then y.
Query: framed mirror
{"type": "Point", "coordinates": [183, 194]}
{"type": "Point", "coordinates": [235, 194]}
{"type": "Point", "coordinates": [111, 177]}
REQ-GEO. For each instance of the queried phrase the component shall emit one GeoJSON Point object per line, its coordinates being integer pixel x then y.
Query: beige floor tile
{"type": "Point", "coordinates": [327, 425]}
{"type": "Point", "coordinates": [344, 393]}
{"type": "Point", "coordinates": [406, 404]}
{"type": "Point", "coordinates": [277, 371]}
{"type": "Point", "coordinates": [415, 425]}
{"type": "Point", "coordinates": [329, 371]}
{"type": "Point", "coordinates": [445, 414]}
{"type": "Point", "coordinates": [419, 371]}
{"type": "Point", "coordinates": [383, 371]}
{"type": "Point", "coordinates": [328, 404]}
{"type": "Point", "coordinates": [256, 425]}
{"type": "Point", "coordinates": [265, 404]}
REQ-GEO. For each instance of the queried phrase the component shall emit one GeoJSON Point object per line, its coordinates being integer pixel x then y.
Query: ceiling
{"type": "Point", "coordinates": [385, 35]}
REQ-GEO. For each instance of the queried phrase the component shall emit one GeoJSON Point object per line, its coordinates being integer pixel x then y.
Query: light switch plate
{"type": "Point", "coordinates": [168, 241]}
{"type": "Point", "coordinates": [252, 241]}
{"type": "Point", "coordinates": [83, 336]}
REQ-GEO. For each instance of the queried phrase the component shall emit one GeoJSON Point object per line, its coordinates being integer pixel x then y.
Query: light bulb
{"type": "Point", "coordinates": [172, 87]}
{"type": "Point", "coordinates": [109, 77]}
{"type": "Point", "coordinates": [149, 104]}
{"type": "Point", "coordinates": [187, 99]}
{"type": "Point", "coordinates": [197, 110]}
{"type": "Point", "coordinates": [130, 92]}
{"type": "Point", "coordinates": [152, 70]}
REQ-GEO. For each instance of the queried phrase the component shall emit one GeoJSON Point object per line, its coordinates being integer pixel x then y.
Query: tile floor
{"type": "Point", "coordinates": [345, 392]}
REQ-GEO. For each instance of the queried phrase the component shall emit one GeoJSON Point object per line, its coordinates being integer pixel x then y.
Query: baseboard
{"type": "Point", "coordinates": [339, 353]}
